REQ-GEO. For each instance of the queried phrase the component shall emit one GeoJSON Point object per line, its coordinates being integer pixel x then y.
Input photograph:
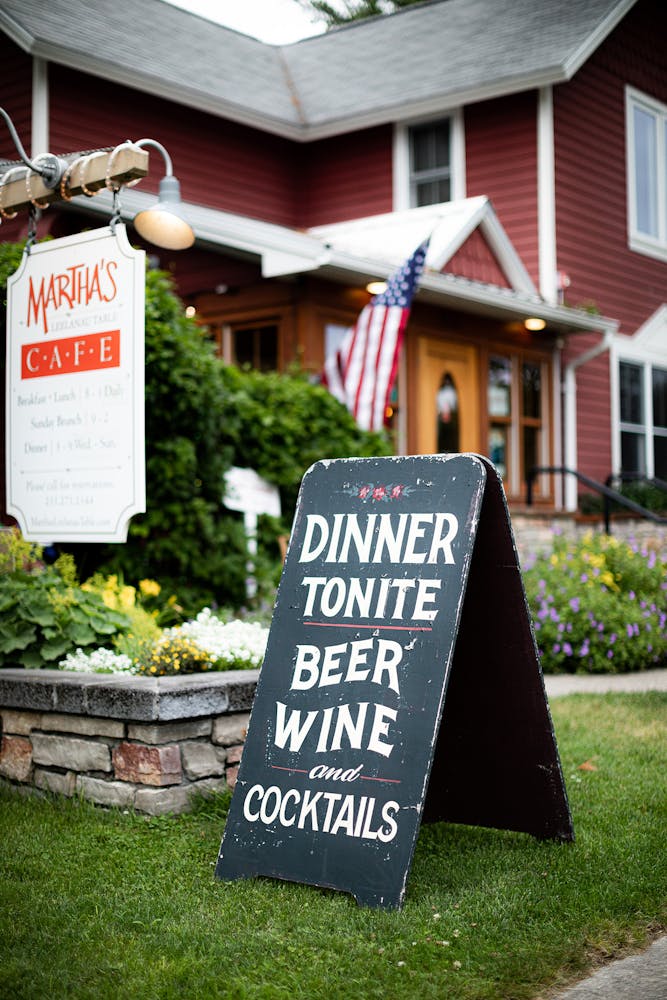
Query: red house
{"type": "Point", "coordinates": [529, 137]}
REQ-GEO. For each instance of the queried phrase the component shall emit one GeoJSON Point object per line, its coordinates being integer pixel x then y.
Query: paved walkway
{"type": "Point", "coordinates": [645, 680]}
{"type": "Point", "coordinates": [639, 977]}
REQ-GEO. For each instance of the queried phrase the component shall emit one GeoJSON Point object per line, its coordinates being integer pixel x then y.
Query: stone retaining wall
{"type": "Point", "coordinates": [145, 743]}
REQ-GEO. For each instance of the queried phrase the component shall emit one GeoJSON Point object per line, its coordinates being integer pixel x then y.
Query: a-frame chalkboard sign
{"type": "Point", "coordinates": [401, 682]}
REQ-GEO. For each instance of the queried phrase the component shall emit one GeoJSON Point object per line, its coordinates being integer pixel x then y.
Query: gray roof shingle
{"type": "Point", "coordinates": [423, 59]}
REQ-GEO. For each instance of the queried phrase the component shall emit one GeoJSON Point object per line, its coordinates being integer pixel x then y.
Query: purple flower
{"type": "Point", "coordinates": [610, 654]}
{"type": "Point", "coordinates": [574, 604]}
{"type": "Point", "coordinates": [567, 649]}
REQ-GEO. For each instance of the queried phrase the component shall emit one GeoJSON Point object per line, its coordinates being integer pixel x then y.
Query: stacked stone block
{"type": "Point", "coordinates": [183, 735]}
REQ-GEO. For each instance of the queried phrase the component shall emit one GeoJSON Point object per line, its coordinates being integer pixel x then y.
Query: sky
{"type": "Point", "coordinates": [276, 21]}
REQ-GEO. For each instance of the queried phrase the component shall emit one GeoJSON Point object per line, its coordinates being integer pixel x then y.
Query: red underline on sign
{"type": "Point", "coordinates": [294, 770]}
{"type": "Point", "coordinates": [395, 628]}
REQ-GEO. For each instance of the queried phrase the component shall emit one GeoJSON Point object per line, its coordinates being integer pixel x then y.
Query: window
{"type": "Point", "coordinates": [646, 127]}
{"type": "Point", "coordinates": [253, 345]}
{"type": "Point", "coordinates": [643, 423]}
{"type": "Point", "coordinates": [517, 406]}
{"type": "Point", "coordinates": [429, 162]}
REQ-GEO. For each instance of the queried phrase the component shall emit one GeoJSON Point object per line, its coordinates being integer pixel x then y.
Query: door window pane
{"type": "Point", "coordinates": [447, 405]}
{"type": "Point", "coordinates": [500, 385]}
{"type": "Point", "coordinates": [498, 448]}
{"type": "Point", "coordinates": [530, 448]}
{"type": "Point", "coordinates": [532, 390]}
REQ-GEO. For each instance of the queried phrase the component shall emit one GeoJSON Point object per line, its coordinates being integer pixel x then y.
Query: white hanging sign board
{"type": "Point", "coordinates": [75, 388]}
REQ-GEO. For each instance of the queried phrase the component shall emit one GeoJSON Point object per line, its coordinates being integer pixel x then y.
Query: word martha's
{"type": "Point", "coordinates": [408, 539]}
{"type": "Point", "coordinates": [78, 285]}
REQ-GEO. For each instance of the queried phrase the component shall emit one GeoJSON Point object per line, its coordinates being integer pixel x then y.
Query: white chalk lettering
{"type": "Point", "coordinates": [403, 538]}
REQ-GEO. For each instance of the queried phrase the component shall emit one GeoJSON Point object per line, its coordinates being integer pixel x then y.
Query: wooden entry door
{"type": "Point", "coordinates": [447, 397]}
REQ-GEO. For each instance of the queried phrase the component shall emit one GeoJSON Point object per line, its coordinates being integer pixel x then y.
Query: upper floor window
{"type": "Point", "coordinates": [429, 162]}
{"type": "Point", "coordinates": [646, 125]}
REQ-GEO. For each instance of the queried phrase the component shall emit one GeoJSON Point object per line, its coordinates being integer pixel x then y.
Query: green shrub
{"type": "Point", "coordinates": [201, 418]}
{"type": "Point", "coordinates": [45, 614]}
{"type": "Point", "coordinates": [598, 606]}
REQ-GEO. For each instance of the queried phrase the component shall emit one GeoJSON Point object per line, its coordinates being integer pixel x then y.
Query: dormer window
{"type": "Point", "coordinates": [430, 163]}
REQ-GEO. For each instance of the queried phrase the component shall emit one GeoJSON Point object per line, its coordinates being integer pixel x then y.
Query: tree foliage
{"type": "Point", "coordinates": [340, 12]}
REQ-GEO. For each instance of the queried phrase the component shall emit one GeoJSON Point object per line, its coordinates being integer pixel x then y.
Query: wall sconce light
{"type": "Point", "coordinates": [164, 224]}
{"type": "Point", "coordinates": [534, 323]}
{"type": "Point", "coordinates": [376, 287]}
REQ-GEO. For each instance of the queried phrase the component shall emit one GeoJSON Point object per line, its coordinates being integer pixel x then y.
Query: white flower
{"type": "Point", "coordinates": [230, 642]}
{"type": "Point", "coordinates": [99, 660]}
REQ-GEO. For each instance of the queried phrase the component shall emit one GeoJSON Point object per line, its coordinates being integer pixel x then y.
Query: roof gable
{"type": "Point", "coordinates": [452, 52]}
{"type": "Point", "coordinates": [466, 240]}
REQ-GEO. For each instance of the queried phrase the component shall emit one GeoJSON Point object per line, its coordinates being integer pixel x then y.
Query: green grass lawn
{"type": "Point", "coordinates": [104, 904]}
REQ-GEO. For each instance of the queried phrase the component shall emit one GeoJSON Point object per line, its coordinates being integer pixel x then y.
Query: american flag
{"type": "Point", "coordinates": [362, 372]}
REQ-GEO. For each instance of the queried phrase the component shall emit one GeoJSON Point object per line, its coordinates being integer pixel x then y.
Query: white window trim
{"type": "Point", "coordinates": [625, 351]}
{"type": "Point", "coordinates": [401, 158]}
{"type": "Point", "coordinates": [637, 241]}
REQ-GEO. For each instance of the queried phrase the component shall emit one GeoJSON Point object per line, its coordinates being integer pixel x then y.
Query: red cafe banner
{"type": "Point", "coordinates": [75, 388]}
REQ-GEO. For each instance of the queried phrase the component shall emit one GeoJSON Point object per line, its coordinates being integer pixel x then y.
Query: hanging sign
{"type": "Point", "coordinates": [75, 388]}
{"type": "Point", "coordinates": [401, 682]}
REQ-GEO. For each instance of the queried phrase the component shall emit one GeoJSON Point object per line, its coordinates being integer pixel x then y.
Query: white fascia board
{"type": "Point", "coordinates": [503, 248]}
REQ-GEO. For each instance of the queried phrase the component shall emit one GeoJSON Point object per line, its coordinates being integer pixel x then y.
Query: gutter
{"type": "Point", "coordinates": [569, 391]}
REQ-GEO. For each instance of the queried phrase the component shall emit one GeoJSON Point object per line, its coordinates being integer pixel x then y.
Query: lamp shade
{"type": "Point", "coordinates": [164, 224]}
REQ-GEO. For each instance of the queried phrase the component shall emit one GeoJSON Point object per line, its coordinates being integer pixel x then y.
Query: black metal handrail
{"type": "Point", "coordinates": [636, 477]}
{"type": "Point", "coordinates": [606, 492]}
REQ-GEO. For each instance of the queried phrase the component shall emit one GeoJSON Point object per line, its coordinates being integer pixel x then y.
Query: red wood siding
{"type": "Point", "coordinates": [501, 158]}
{"type": "Point", "coordinates": [228, 166]}
{"type": "Point", "coordinates": [476, 261]}
{"type": "Point", "coordinates": [591, 220]}
{"type": "Point", "coordinates": [347, 177]}
{"type": "Point", "coordinates": [221, 164]}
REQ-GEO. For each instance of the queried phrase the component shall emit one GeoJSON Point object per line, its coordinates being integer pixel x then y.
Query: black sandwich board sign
{"type": "Point", "coordinates": [401, 682]}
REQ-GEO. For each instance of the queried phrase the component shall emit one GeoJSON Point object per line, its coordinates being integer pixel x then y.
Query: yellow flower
{"type": "Point", "coordinates": [149, 588]}
{"type": "Point", "coordinates": [553, 559]}
{"type": "Point", "coordinates": [109, 599]}
{"type": "Point", "coordinates": [126, 597]}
